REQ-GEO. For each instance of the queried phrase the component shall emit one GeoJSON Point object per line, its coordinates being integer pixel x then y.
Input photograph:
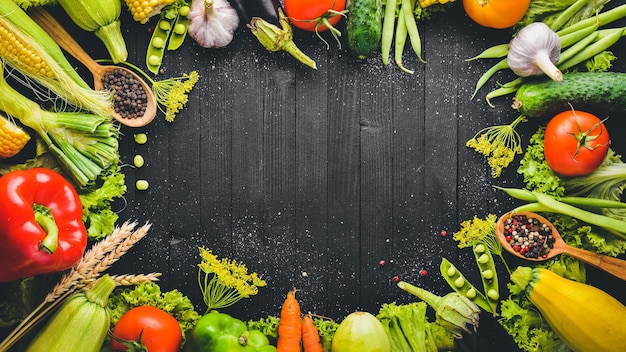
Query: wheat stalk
{"type": "Point", "coordinates": [94, 261]}
{"type": "Point", "coordinates": [134, 279]}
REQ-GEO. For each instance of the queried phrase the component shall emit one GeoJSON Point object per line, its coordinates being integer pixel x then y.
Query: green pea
{"type": "Point", "coordinates": [141, 138]}
{"type": "Point", "coordinates": [480, 248]}
{"type": "Point", "coordinates": [142, 185]}
{"type": "Point", "coordinates": [483, 259]}
{"type": "Point", "coordinates": [451, 271]}
{"type": "Point", "coordinates": [180, 28]}
{"type": "Point", "coordinates": [471, 293]}
{"type": "Point", "coordinates": [488, 274]}
{"type": "Point", "coordinates": [459, 282]}
{"type": "Point", "coordinates": [184, 10]}
{"type": "Point", "coordinates": [493, 294]}
{"type": "Point", "coordinates": [165, 25]}
{"type": "Point", "coordinates": [154, 60]}
{"type": "Point", "coordinates": [158, 42]}
{"type": "Point", "coordinates": [138, 161]}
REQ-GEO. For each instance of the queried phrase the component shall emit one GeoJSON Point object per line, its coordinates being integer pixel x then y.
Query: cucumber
{"type": "Point", "coordinates": [598, 93]}
{"type": "Point", "coordinates": [364, 27]}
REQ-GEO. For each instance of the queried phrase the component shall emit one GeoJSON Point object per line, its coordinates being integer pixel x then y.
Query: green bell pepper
{"type": "Point", "coordinates": [219, 332]}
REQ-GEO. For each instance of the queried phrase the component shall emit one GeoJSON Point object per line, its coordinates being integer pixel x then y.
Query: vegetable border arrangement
{"type": "Point", "coordinates": [60, 233]}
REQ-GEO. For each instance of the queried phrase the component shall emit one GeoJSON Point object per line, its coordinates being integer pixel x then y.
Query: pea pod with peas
{"type": "Point", "coordinates": [459, 283]}
{"type": "Point", "coordinates": [170, 32]}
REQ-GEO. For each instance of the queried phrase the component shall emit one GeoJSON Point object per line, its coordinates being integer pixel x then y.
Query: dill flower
{"type": "Point", "coordinates": [172, 93]}
{"type": "Point", "coordinates": [224, 282]}
{"type": "Point", "coordinates": [483, 231]}
{"type": "Point", "coordinates": [498, 144]}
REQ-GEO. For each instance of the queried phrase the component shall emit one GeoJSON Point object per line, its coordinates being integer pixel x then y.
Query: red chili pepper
{"type": "Point", "coordinates": [41, 227]}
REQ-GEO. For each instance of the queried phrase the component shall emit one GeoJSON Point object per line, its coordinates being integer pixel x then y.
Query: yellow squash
{"type": "Point", "coordinates": [583, 316]}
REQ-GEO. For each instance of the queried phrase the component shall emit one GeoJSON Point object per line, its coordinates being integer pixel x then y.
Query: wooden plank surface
{"type": "Point", "coordinates": [312, 178]}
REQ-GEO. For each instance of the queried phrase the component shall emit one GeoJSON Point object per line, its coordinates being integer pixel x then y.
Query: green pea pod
{"type": "Point", "coordinates": [156, 47]}
{"type": "Point", "coordinates": [488, 274]}
{"type": "Point", "coordinates": [179, 30]}
{"type": "Point", "coordinates": [460, 284]}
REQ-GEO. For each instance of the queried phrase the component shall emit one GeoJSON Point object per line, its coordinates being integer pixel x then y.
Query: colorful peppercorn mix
{"type": "Point", "coordinates": [528, 236]}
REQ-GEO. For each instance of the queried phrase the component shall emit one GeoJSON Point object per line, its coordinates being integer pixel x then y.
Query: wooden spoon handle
{"type": "Point", "coordinates": [54, 29]}
{"type": "Point", "coordinates": [611, 265]}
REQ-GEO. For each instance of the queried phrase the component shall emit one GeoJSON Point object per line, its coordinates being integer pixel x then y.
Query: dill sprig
{"type": "Point", "coordinates": [483, 231]}
{"type": "Point", "coordinates": [224, 282]}
{"type": "Point", "coordinates": [499, 144]}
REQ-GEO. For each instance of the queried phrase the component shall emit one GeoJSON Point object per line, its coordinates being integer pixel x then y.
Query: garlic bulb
{"type": "Point", "coordinates": [534, 51]}
{"type": "Point", "coordinates": [212, 23]}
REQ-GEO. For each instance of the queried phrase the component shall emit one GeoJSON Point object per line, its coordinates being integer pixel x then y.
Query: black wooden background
{"type": "Point", "coordinates": [312, 177]}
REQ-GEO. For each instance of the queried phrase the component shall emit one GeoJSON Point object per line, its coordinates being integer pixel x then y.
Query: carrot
{"type": "Point", "coordinates": [290, 325]}
{"type": "Point", "coordinates": [310, 336]}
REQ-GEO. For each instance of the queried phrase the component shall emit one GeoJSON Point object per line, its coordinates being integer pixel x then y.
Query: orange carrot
{"type": "Point", "coordinates": [290, 325]}
{"type": "Point", "coordinates": [310, 336]}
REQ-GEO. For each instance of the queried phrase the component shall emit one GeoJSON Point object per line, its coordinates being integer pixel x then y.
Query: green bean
{"type": "Point", "coordinates": [592, 50]}
{"type": "Point", "coordinates": [600, 20]}
{"type": "Point", "coordinates": [574, 37]}
{"type": "Point", "coordinates": [487, 268]}
{"type": "Point", "coordinates": [460, 284]}
{"type": "Point", "coordinates": [494, 52]}
{"type": "Point", "coordinates": [411, 26]}
{"type": "Point", "coordinates": [567, 14]}
{"type": "Point", "coordinates": [613, 225]}
{"type": "Point", "coordinates": [505, 89]}
{"type": "Point", "coordinates": [501, 65]}
{"type": "Point", "coordinates": [179, 31]}
{"type": "Point", "coordinates": [156, 48]}
{"type": "Point", "coordinates": [585, 202]}
{"type": "Point", "coordinates": [576, 48]}
{"type": "Point", "coordinates": [400, 41]}
{"type": "Point", "coordinates": [389, 20]}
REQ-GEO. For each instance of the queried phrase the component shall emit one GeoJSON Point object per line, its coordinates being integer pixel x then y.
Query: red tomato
{"type": "Point", "coordinates": [496, 13]}
{"type": "Point", "coordinates": [575, 143]}
{"type": "Point", "coordinates": [309, 14]}
{"type": "Point", "coordinates": [159, 330]}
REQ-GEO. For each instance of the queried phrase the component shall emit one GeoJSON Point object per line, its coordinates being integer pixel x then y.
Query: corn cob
{"type": "Point", "coordinates": [12, 138]}
{"type": "Point", "coordinates": [426, 3]}
{"type": "Point", "coordinates": [83, 144]}
{"type": "Point", "coordinates": [102, 17]}
{"type": "Point", "coordinates": [30, 50]}
{"type": "Point", "coordinates": [143, 10]}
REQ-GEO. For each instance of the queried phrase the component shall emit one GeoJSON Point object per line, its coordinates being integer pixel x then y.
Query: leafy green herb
{"type": "Point", "coordinates": [149, 293]}
{"type": "Point", "coordinates": [98, 216]}
{"type": "Point", "coordinates": [601, 62]}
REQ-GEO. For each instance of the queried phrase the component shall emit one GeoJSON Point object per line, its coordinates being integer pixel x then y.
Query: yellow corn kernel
{"type": "Point", "coordinates": [143, 10]}
{"type": "Point", "coordinates": [20, 53]}
{"type": "Point", "coordinates": [426, 3]}
{"type": "Point", "coordinates": [12, 138]}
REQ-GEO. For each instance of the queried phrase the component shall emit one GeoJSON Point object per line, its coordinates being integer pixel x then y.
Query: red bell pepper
{"type": "Point", "coordinates": [41, 227]}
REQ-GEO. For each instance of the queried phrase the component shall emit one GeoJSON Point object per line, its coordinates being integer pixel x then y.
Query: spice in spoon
{"type": "Point", "coordinates": [130, 100]}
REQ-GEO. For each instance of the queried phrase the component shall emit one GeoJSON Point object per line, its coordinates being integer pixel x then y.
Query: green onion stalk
{"type": "Point", "coordinates": [84, 144]}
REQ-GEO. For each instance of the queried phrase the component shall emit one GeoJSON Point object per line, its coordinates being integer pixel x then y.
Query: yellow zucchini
{"type": "Point", "coordinates": [584, 317]}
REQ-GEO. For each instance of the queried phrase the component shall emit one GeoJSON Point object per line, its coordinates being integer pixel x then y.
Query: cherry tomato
{"type": "Point", "coordinates": [159, 330]}
{"type": "Point", "coordinates": [575, 143]}
{"type": "Point", "coordinates": [309, 14]}
{"type": "Point", "coordinates": [497, 14]}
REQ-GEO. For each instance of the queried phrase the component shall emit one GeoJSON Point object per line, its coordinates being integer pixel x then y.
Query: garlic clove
{"type": "Point", "coordinates": [534, 51]}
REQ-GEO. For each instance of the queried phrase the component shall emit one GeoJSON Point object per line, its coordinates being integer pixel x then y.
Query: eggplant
{"type": "Point", "coordinates": [265, 9]}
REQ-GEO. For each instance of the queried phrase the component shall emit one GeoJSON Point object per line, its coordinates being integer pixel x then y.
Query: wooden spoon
{"type": "Point", "coordinates": [49, 24]}
{"type": "Point", "coordinates": [611, 265]}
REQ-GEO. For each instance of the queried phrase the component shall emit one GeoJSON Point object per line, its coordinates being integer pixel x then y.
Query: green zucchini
{"type": "Point", "coordinates": [364, 27]}
{"type": "Point", "coordinates": [599, 93]}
